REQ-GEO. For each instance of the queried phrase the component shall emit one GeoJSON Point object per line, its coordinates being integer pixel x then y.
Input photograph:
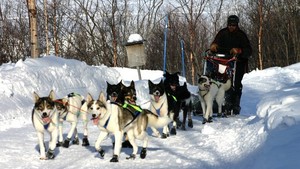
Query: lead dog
{"type": "Point", "coordinates": [69, 109]}
{"type": "Point", "coordinates": [45, 118]}
{"type": "Point", "coordinates": [116, 119]}
{"type": "Point", "coordinates": [210, 90]}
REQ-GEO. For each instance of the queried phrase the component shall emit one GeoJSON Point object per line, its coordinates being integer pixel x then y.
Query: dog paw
{"type": "Point", "coordinates": [76, 141]}
{"type": "Point", "coordinates": [183, 127]}
{"type": "Point", "coordinates": [50, 154]}
{"type": "Point", "coordinates": [132, 157]}
{"type": "Point", "coordinates": [66, 143]}
{"type": "Point", "coordinates": [156, 135]}
{"type": "Point", "coordinates": [173, 131]}
{"type": "Point", "coordinates": [43, 158]}
{"type": "Point", "coordinates": [163, 136]}
{"type": "Point", "coordinates": [114, 159]}
{"type": "Point", "coordinates": [190, 123]}
{"type": "Point", "coordinates": [59, 144]}
{"type": "Point", "coordinates": [102, 153]}
{"type": "Point", "coordinates": [143, 153]}
{"type": "Point", "coordinates": [85, 141]}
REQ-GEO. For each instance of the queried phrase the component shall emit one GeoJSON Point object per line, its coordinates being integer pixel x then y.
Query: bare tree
{"type": "Point", "coordinates": [260, 14]}
{"type": "Point", "coordinates": [46, 27]}
{"type": "Point", "coordinates": [32, 12]}
{"type": "Point", "coordinates": [193, 10]}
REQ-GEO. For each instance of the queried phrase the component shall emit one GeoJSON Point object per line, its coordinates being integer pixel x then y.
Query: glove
{"type": "Point", "coordinates": [213, 47]}
{"type": "Point", "coordinates": [236, 51]}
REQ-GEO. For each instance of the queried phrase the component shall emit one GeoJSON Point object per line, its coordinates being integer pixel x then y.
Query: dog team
{"type": "Point", "coordinates": [118, 114]}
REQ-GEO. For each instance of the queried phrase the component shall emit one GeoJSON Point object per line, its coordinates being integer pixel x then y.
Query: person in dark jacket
{"type": "Point", "coordinates": [234, 42]}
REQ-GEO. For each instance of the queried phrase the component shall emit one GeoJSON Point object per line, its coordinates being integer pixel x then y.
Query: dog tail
{"type": "Point", "coordinates": [158, 121]}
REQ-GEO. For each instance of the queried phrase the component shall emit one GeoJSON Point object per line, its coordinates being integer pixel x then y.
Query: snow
{"type": "Point", "coordinates": [264, 136]}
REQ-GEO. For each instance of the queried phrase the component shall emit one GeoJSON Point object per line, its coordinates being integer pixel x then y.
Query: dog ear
{"type": "Point", "coordinates": [102, 98]}
{"type": "Point", "coordinates": [64, 101]}
{"type": "Point", "coordinates": [120, 83]}
{"type": "Point", "coordinates": [89, 98]}
{"type": "Point", "coordinates": [198, 75]}
{"type": "Point", "coordinates": [36, 97]}
{"type": "Point", "coordinates": [150, 83]}
{"type": "Point", "coordinates": [52, 95]}
{"type": "Point", "coordinates": [132, 84]}
{"type": "Point", "coordinates": [166, 74]}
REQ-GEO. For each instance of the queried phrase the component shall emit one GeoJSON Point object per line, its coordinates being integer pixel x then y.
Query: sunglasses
{"type": "Point", "coordinates": [232, 25]}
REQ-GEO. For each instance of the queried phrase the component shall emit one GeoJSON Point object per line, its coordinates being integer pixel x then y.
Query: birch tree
{"type": "Point", "coordinates": [32, 12]}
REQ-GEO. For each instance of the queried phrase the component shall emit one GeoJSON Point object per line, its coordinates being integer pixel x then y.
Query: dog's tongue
{"type": "Point", "coordinates": [46, 120]}
{"type": "Point", "coordinates": [95, 121]}
{"type": "Point", "coordinates": [156, 97]}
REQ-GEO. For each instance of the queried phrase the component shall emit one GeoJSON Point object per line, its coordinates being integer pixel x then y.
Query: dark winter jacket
{"type": "Point", "coordinates": [227, 40]}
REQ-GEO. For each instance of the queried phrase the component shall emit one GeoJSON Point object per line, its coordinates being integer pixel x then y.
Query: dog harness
{"type": "Point", "coordinates": [158, 110]}
{"type": "Point", "coordinates": [207, 89]}
{"type": "Point", "coordinates": [174, 98]}
{"type": "Point", "coordinates": [130, 108]}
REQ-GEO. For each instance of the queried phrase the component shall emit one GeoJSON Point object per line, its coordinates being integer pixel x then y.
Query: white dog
{"type": "Point", "coordinates": [45, 118]}
{"type": "Point", "coordinates": [69, 109]}
{"type": "Point", "coordinates": [158, 105]}
{"type": "Point", "coordinates": [210, 90]}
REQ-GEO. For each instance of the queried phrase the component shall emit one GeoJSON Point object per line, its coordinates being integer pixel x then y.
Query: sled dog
{"type": "Point", "coordinates": [158, 105]}
{"type": "Point", "coordinates": [45, 118]}
{"type": "Point", "coordinates": [114, 118]}
{"type": "Point", "coordinates": [69, 109]}
{"type": "Point", "coordinates": [171, 83]}
{"type": "Point", "coordinates": [186, 105]}
{"type": "Point", "coordinates": [113, 91]}
{"type": "Point", "coordinates": [210, 90]}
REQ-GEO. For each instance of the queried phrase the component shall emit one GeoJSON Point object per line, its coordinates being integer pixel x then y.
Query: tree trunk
{"type": "Point", "coordinates": [260, 59]}
{"type": "Point", "coordinates": [32, 12]}
{"type": "Point", "coordinates": [46, 27]}
{"type": "Point", "coordinates": [55, 28]}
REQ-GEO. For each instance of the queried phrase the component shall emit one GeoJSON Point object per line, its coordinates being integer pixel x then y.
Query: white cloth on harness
{"type": "Point", "coordinates": [222, 68]}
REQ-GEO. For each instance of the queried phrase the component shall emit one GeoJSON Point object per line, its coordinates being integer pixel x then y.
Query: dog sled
{"type": "Point", "coordinates": [220, 67]}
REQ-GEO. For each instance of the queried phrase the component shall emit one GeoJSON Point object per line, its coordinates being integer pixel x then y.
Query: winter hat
{"type": "Point", "coordinates": [232, 20]}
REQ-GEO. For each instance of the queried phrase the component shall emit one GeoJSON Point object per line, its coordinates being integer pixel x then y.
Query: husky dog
{"type": "Point", "coordinates": [158, 105]}
{"type": "Point", "coordinates": [116, 119]}
{"type": "Point", "coordinates": [113, 91]}
{"type": "Point", "coordinates": [186, 105]}
{"type": "Point", "coordinates": [70, 110]}
{"type": "Point", "coordinates": [115, 94]}
{"type": "Point", "coordinates": [171, 84]}
{"type": "Point", "coordinates": [45, 118]}
{"type": "Point", "coordinates": [210, 90]}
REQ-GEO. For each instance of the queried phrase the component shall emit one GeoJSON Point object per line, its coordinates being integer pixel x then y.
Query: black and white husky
{"type": "Point", "coordinates": [45, 118]}
{"type": "Point", "coordinates": [159, 105]}
{"type": "Point", "coordinates": [210, 90]}
{"type": "Point", "coordinates": [69, 109]}
{"type": "Point", "coordinates": [116, 119]}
